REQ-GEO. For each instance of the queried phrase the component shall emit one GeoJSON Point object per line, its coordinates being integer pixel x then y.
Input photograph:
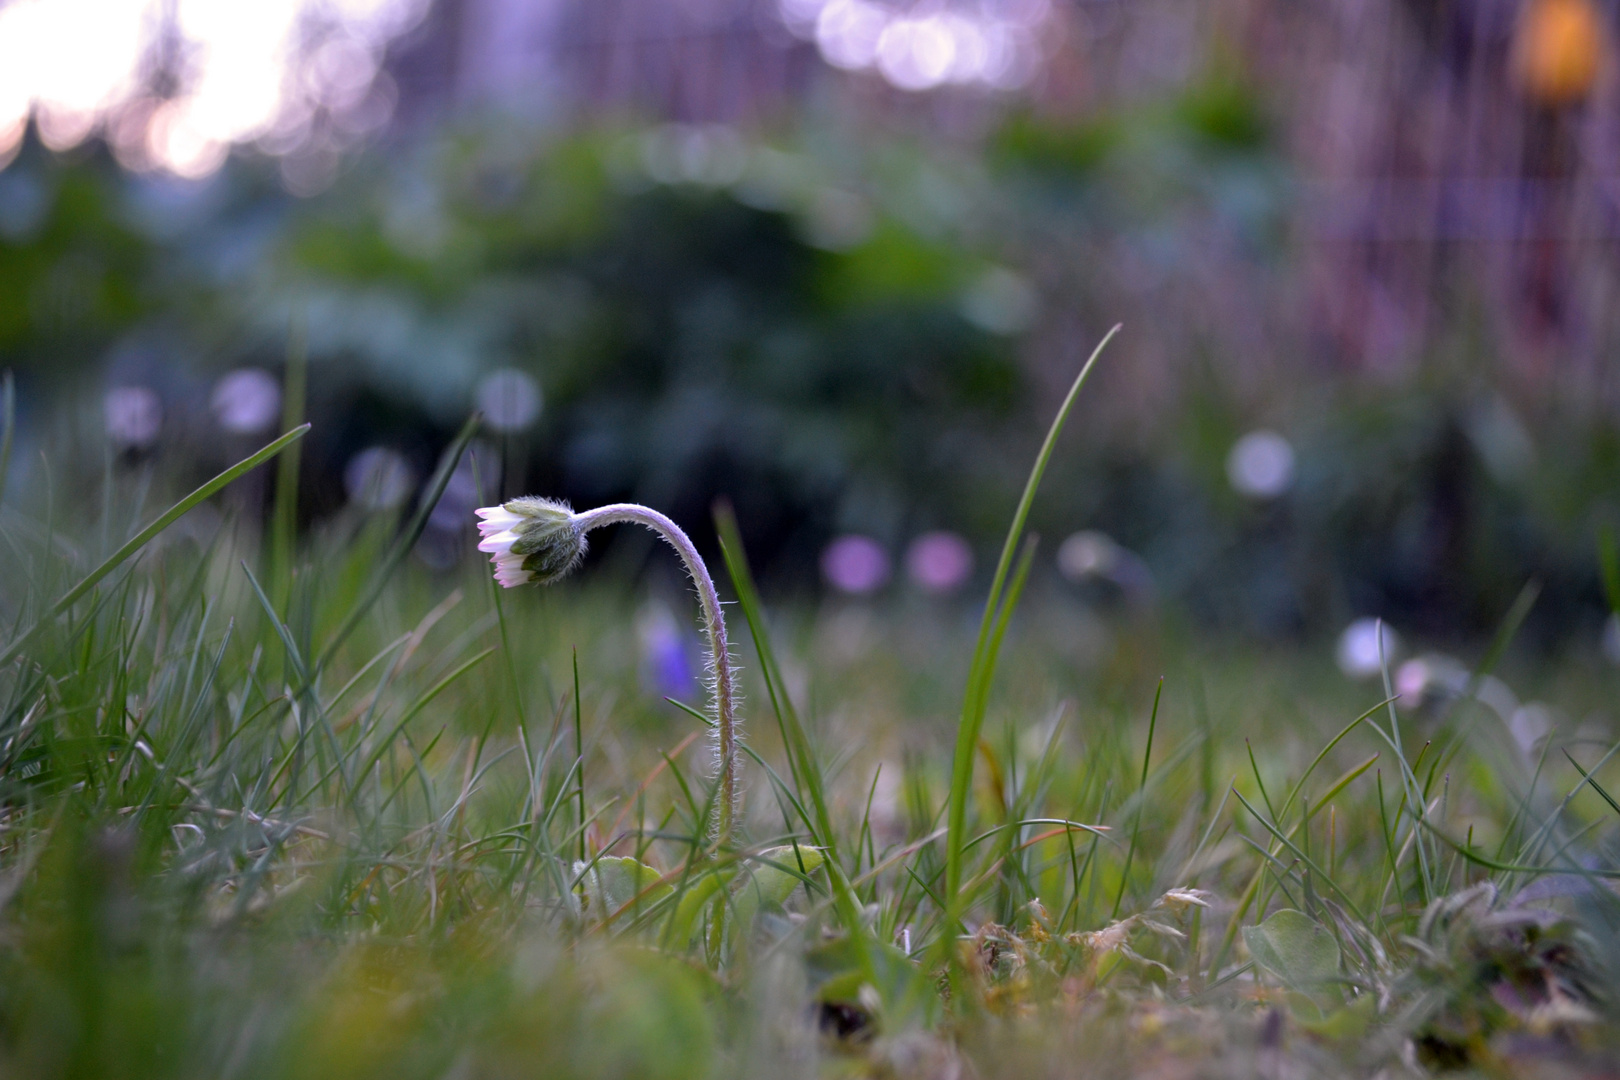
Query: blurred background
{"type": "Point", "coordinates": [837, 260]}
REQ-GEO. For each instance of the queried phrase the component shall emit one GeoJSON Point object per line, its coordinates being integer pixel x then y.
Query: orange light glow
{"type": "Point", "coordinates": [1559, 49]}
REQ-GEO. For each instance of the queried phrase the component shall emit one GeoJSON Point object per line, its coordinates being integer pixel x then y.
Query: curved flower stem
{"type": "Point", "coordinates": [723, 687]}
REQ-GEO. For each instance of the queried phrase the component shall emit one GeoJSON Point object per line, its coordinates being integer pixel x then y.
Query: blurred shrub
{"type": "Point", "coordinates": [779, 338]}
{"type": "Point", "coordinates": [837, 333]}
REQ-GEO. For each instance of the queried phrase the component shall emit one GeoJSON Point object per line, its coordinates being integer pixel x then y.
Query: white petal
{"type": "Point", "coordinates": [510, 576]}
{"type": "Point", "coordinates": [495, 518]}
{"type": "Point", "coordinates": [498, 544]}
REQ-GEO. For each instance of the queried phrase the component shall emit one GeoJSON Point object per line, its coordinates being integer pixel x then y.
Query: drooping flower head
{"type": "Point", "coordinates": [531, 540]}
{"type": "Point", "coordinates": [540, 540]}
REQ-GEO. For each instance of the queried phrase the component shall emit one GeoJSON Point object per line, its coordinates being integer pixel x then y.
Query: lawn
{"type": "Point", "coordinates": [297, 806]}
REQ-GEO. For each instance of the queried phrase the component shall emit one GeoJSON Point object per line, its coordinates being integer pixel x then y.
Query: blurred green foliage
{"type": "Point", "coordinates": [836, 332]}
{"type": "Point", "coordinates": [112, 973]}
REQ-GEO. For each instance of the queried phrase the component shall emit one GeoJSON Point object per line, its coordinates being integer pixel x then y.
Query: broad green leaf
{"type": "Point", "coordinates": [771, 881]}
{"type": "Point", "coordinates": [689, 908]}
{"type": "Point", "coordinates": [617, 880]}
{"type": "Point", "coordinates": [1296, 948]}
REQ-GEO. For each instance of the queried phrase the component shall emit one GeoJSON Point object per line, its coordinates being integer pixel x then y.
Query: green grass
{"type": "Point", "coordinates": [309, 810]}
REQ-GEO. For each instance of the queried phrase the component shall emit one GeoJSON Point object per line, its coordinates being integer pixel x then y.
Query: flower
{"type": "Point", "coordinates": [134, 416]}
{"type": "Point", "coordinates": [939, 562]}
{"type": "Point", "coordinates": [540, 540]}
{"type": "Point", "coordinates": [498, 528]}
{"type": "Point", "coordinates": [1180, 899]}
{"type": "Point", "coordinates": [855, 564]}
{"type": "Point", "coordinates": [531, 540]}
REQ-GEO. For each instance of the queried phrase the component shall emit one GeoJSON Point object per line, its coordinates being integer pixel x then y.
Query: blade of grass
{"type": "Point", "coordinates": [1249, 894]}
{"type": "Point", "coordinates": [416, 707]}
{"type": "Point", "coordinates": [1299, 854]}
{"type": "Point", "coordinates": [1519, 868]}
{"type": "Point", "coordinates": [8, 416]}
{"type": "Point", "coordinates": [579, 754]}
{"type": "Point", "coordinates": [500, 618]}
{"type": "Point", "coordinates": [864, 834]}
{"type": "Point", "coordinates": [1063, 825]}
{"type": "Point", "coordinates": [1506, 631]}
{"type": "Point", "coordinates": [1254, 767]}
{"type": "Point", "coordinates": [1609, 560]}
{"type": "Point", "coordinates": [1014, 591]}
{"type": "Point", "coordinates": [982, 666]}
{"type": "Point", "coordinates": [144, 537]}
{"type": "Point", "coordinates": [1533, 846]}
{"type": "Point", "coordinates": [1141, 788]}
{"type": "Point", "coordinates": [403, 544]}
{"type": "Point", "coordinates": [284, 515]}
{"type": "Point", "coordinates": [1597, 787]}
{"type": "Point", "coordinates": [803, 766]}
{"type": "Point", "coordinates": [1407, 772]}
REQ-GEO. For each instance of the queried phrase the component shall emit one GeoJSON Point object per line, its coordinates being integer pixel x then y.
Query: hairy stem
{"type": "Point", "coordinates": [714, 622]}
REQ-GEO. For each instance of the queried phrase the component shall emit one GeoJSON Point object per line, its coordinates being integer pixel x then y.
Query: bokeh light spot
{"type": "Point", "coordinates": [939, 562]}
{"type": "Point", "coordinates": [134, 416]}
{"type": "Point", "coordinates": [855, 564]}
{"type": "Point", "coordinates": [377, 478]}
{"type": "Point", "coordinates": [1000, 301]}
{"type": "Point", "coordinates": [509, 399]}
{"type": "Point", "coordinates": [1261, 465]}
{"type": "Point", "coordinates": [1358, 652]}
{"type": "Point", "coordinates": [246, 401]}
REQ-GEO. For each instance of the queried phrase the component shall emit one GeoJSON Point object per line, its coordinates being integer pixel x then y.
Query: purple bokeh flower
{"type": "Point", "coordinates": [246, 401]}
{"type": "Point", "coordinates": [667, 664]}
{"type": "Point", "coordinates": [855, 564]}
{"type": "Point", "coordinates": [134, 416]}
{"type": "Point", "coordinates": [939, 562]}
